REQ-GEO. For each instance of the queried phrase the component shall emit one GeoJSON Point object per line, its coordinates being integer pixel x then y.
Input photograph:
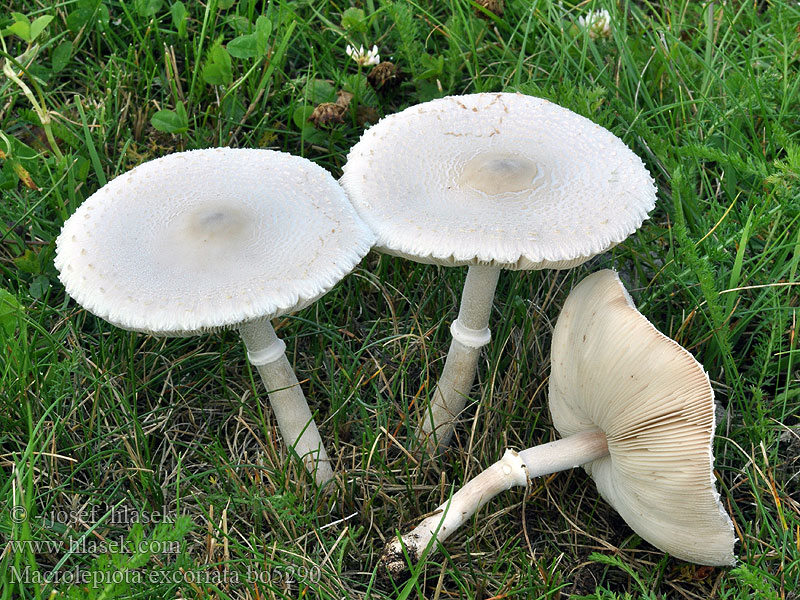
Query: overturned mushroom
{"type": "Point", "coordinates": [211, 239]}
{"type": "Point", "coordinates": [492, 181]}
{"type": "Point", "coordinates": [636, 410]}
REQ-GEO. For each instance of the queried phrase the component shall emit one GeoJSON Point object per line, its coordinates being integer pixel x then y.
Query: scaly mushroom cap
{"type": "Point", "coordinates": [612, 369]}
{"type": "Point", "coordinates": [208, 239]}
{"type": "Point", "coordinates": [497, 179]}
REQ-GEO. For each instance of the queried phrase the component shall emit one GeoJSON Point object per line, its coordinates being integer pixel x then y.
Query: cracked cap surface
{"type": "Point", "coordinates": [208, 239]}
{"type": "Point", "coordinates": [499, 179]}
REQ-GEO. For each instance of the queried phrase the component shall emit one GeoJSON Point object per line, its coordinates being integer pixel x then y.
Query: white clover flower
{"type": "Point", "coordinates": [597, 23]}
{"type": "Point", "coordinates": [363, 58]}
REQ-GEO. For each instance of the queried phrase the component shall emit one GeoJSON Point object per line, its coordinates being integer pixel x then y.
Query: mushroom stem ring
{"type": "Point", "coordinates": [295, 421]}
{"type": "Point", "coordinates": [514, 469]}
{"type": "Point", "coordinates": [470, 333]}
{"type": "Point", "coordinates": [472, 338]}
{"type": "Point", "coordinates": [272, 351]}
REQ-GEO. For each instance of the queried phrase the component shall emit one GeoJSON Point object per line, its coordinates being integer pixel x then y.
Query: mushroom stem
{"type": "Point", "coordinates": [514, 469]}
{"type": "Point", "coordinates": [470, 333]}
{"type": "Point", "coordinates": [298, 429]}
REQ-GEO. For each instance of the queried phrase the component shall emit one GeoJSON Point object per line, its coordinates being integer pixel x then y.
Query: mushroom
{"type": "Point", "coordinates": [211, 239]}
{"type": "Point", "coordinates": [492, 181]}
{"type": "Point", "coordinates": [636, 410]}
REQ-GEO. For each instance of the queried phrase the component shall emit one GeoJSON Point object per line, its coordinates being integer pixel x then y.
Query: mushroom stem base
{"type": "Point", "coordinates": [509, 471]}
{"type": "Point", "coordinates": [294, 418]}
{"type": "Point", "coordinates": [514, 469]}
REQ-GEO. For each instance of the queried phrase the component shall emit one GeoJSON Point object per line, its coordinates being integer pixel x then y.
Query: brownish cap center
{"type": "Point", "coordinates": [213, 222]}
{"type": "Point", "coordinates": [499, 173]}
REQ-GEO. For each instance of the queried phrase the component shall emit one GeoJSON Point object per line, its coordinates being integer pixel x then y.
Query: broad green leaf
{"type": "Point", "coordinates": [147, 8]}
{"type": "Point", "coordinates": [179, 18]}
{"type": "Point", "coordinates": [10, 312]}
{"type": "Point", "coordinates": [217, 70]}
{"type": "Point", "coordinates": [61, 55]}
{"type": "Point", "coordinates": [167, 121]}
{"type": "Point", "coordinates": [8, 178]}
{"type": "Point", "coordinates": [39, 287]}
{"type": "Point", "coordinates": [225, 4]}
{"type": "Point", "coordinates": [21, 150]}
{"type": "Point", "coordinates": [103, 17]}
{"type": "Point", "coordinates": [433, 66]}
{"type": "Point", "coordinates": [310, 133]}
{"type": "Point", "coordinates": [39, 24]}
{"type": "Point", "coordinates": [170, 121]}
{"type": "Point", "coordinates": [318, 91]}
{"type": "Point", "coordinates": [427, 90]}
{"type": "Point", "coordinates": [244, 46]}
{"type": "Point", "coordinates": [90, 13]}
{"type": "Point", "coordinates": [21, 27]}
{"type": "Point", "coordinates": [20, 18]}
{"type": "Point", "coordinates": [241, 25]}
{"type": "Point", "coordinates": [263, 31]}
{"type": "Point", "coordinates": [301, 114]}
{"type": "Point", "coordinates": [28, 262]}
{"type": "Point", "coordinates": [181, 110]}
{"type": "Point", "coordinates": [354, 19]}
{"type": "Point", "coordinates": [81, 168]}
{"type": "Point", "coordinates": [78, 18]}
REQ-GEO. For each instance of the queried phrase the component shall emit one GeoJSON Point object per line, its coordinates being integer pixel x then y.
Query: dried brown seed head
{"type": "Point", "coordinates": [384, 76]}
{"type": "Point", "coordinates": [343, 98]}
{"type": "Point", "coordinates": [327, 114]}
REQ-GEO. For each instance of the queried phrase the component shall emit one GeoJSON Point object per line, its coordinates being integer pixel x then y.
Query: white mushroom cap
{"type": "Point", "coordinates": [209, 239]}
{"type": "Point", "coordinates": [497, 179]}
{"type": "Point", "coordinates": [612, 369]}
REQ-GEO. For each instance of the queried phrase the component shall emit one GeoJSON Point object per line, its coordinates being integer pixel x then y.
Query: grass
{"type": "Point", "coordinates": [104, 432]}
